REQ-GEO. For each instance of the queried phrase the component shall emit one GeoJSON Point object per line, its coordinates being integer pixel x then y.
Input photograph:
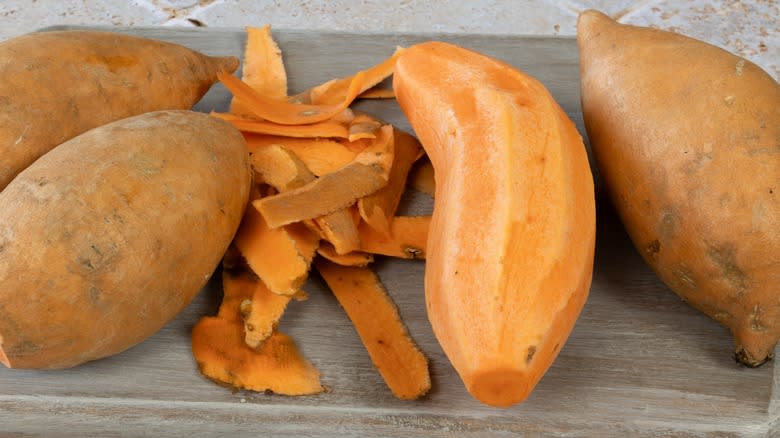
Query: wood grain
{"type": "Point", "coordinates": [639, 362]}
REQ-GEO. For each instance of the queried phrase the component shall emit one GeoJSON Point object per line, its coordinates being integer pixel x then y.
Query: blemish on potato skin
{"type": "Point", "coordinates": [685, 276]}
{"type": "Point", "coordinates": [652, 249]}
{"type": "Point", "coordinates": [87, 263]}
{"type": "Point", "coordinates": [531, 353]}
{"type": "Point", "coordinates": [740, 67]}
{"type": "Point", "coordinates": [667, 228]}
{"type": "Point", "coordinates": [23, 348]}
{"type": "Point", "coordinates": [94, 294]}
{"type": "Point", "coordinates": [755, 319]}
{"type": "Point", "coordinates": [723, 256]}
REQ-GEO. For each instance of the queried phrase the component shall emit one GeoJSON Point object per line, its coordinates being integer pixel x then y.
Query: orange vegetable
{"type": "Point", "coordinates": [280, 168]}
{"type": "Point", "coordinates": [57, 85]}
{"type": "Point", "coordinates": [237, 286]}
{"type": "Point", "coordinates": [292, 247]}
{"type": "Point", "coordinates": [277, 366]}
{"type": "Point", "coordinates": [247, 299]}
{"type": "Point", "coordinates": [687, 141]}
{"type": "Point", "coordinates": [407, 238]}
{"type": "Point", "coordinates": [221, 351]}
{"type": "Point", "coordinates": [378, 208]}
{"type": "Point", "coordinates": [320, 155]}
{"type": "Point", "coordinates": [263, 69]}
{"type": "Point", "coordinates": [511, 240]}
{"type": "Point", "coordinates": [339, 229]}
{"type": "Point", "coordinates": [363, 126]}
{"type": "Point", "coordinates": [283, 112]}
{"type": "Point", "coordinates": [261, 312]}
{"type": "Point", "coordinates": [111, 234]}
{"type": "Point", "coordinates": [313, 130]}
{"type": "Point", "coordinates": [337, 90]}
{"type": "Point", "coordinates": [368, 172]}
{"type": "Point", "coordinates": [355, 258]}
{"type": "Point", "coordinates": [377, 93]}
{"type": "Point", "coordinates": [375, 317]}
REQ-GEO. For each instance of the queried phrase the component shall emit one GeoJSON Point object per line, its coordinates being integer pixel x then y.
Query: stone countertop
{"type": "Point", "coordinates": [748, 28]}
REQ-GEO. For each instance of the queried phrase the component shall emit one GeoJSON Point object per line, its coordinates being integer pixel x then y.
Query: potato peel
{"type": "Point", "coordinates": [368, 172]}
{"type": "Point", "coordinates": [408, 238]}
{"type": "Point", "coordinates": [277, 366]}
{"type": "Point", "coordinates": [375, 317]}
{"type": "Point", "coordinates": [378, 208]}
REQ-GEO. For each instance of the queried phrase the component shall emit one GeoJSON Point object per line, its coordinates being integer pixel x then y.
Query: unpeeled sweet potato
{"type": "Point", "coordinates": [686, 137]}
{"type": "Point", "coordinates": [108, 236]}
{"type": "Point", "coordinates": [56, 85]}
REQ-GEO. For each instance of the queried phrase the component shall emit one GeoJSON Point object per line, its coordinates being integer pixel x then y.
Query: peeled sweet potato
{"type": "Point", "coordinates": [511, 241]}
{"type": "Point", "coordinates": [56, 85]}
{"type": "Point", "coordinates": [686, 137]}
{"type": "Point", "coordinates": [107, 237]}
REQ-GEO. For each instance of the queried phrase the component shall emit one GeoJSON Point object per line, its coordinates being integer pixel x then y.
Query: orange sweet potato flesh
{"type": "Point", "coordinates": [313, 130]}
{"type": "Point", "coordinates": [375, 317]}
{"type": "Point", "coordinates": [282, 169]}
{"type": "Point", "coordinates": [320, 155]}
{"type": "Point", "coordinates": [367, 173]}
{"type": "Point", "coordinates": [56, 85]}
{"type": "Point", "coordinates": [377, 93]}
{"type": "Point", "coordinates": [277, 365]}
{"type": "Point", "coordinates": [378, 208]}
{"type": "Point", "coordinates": [407, 238]}
{"type": "Point", "coordinates": [261, 311]}
{"type": "Point", "coordinates": [511, 240]}
{"type": "Point", "coordinates": [354, 258]}
{"type": "Point", "coordinates": [336, 90]}
{"type": "Point", "coordinates": [293, 249]}
{"type": "Point", "coordinates": [689, 151]}
{"type": "Point", "coordinates": [286, 113]}
{"type": "Point", "coordinates": [263, 68]}
{"type": "Point", "coordinates": [221, 345]}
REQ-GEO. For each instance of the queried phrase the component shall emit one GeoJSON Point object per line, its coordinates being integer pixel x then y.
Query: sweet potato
{"type": "Point", "coordinates": [686, 137]}
{"type": "Point", "coordinates": [56, 85]}
{"type": "Point", "coordinates": [511, 239]}
{"type": "Point", "coordinates": [108, 236]}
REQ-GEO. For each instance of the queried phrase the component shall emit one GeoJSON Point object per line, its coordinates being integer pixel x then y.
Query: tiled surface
{"type": "Point", "coordinates": [749, 28]}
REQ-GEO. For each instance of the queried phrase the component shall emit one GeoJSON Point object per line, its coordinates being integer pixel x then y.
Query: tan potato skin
{"type": "Point", "coordinates": [107, 237]}
{"type": "Point", "coordinates": [56, 85]}
{"type": "Point", "coordinates": [687, 139]}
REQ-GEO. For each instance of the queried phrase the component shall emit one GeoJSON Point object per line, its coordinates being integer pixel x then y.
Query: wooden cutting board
{"type": "Point", "coordinates": [639, 362]}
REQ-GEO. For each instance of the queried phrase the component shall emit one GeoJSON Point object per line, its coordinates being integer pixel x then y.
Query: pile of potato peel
{"type": "Point", "coordinates": [327, 183]}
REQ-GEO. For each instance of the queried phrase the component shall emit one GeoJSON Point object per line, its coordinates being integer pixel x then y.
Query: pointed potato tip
{"type": "Point", "coordinates": [590, 18]}
{"type": "Point", "coordinates": [226, 64]}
